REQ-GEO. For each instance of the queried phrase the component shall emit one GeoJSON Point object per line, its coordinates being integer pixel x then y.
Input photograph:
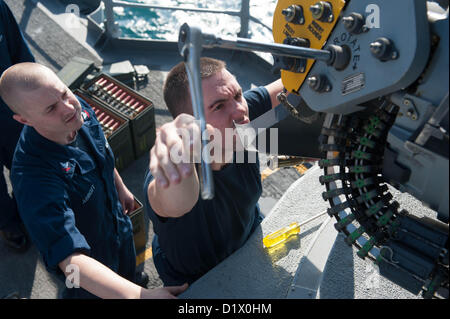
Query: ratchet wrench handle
{"type": "Point", "coordinates": [190, 41]}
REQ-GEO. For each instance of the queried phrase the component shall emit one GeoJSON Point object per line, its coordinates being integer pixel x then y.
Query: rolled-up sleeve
{"type": "Point", "coordinates": [258, 100]}
{"type": "Point", "coordinates": [44, 207]}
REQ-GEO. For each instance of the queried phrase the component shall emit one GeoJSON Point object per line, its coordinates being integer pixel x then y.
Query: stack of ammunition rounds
{"type": "Point", "coordinates": [117, 96]}
{"type": "Point", "coordinates": [108, 121]}
{"type": "Point", "coordinates": [131, 105]}
{"type": "Point", "coordinates": [115, 127]}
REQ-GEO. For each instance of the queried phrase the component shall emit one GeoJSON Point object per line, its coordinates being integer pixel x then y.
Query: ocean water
{"type": "Point", "coordinates": [164, 24]}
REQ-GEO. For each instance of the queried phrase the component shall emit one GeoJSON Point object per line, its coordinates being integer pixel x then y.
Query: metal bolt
{"type": "Point", "coordinates": [328, 88]}
{"type": "Point", "coordinates": [406, 102]}
{"type": "Point", "coordinates": [183, 35]}
{"type": "Point", "coordinates": [312, 81]}
{"type": "Point", "coordinates": [394, 55]}
{"type": "Point", "coordinates": [288, 13]}
{"type": "Point", "coordinates": [330, 18]}
{"type": "Point", "coordinates": [375, 47]}
{"type": "Point", "coordinates": [348, 21]}
{"type": "Point", "coordinates": [316, 9]}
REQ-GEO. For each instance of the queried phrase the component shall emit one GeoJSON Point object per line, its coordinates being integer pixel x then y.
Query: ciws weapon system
{"type": "Point", "coordinates": [376, 74]}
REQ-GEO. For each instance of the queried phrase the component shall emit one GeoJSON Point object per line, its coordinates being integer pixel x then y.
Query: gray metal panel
{"type": "Point", "coordinates": [435, 84]}
{"type": "Point", "coordinates": [402, 21]}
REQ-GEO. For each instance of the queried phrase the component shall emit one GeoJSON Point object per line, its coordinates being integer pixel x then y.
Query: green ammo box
{"type": "Point", "coordinates": [138, 220]}
{"type": "Point", "coordinates": [136, 108]}
{"type": "Point", "coordinates": [74, 72]}
{"type": "Point", "coordinates": [118, 138]}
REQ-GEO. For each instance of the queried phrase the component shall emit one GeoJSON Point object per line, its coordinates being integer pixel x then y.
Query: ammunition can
{"type": "Point", "coordinates": [139, 231]}
{"type": "Point", "coordinates": [142, 123]}
{"type": "Point", "coordinates": [119, 138]}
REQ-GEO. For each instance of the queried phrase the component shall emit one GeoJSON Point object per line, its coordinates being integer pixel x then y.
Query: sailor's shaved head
{"type": "Point", "coordinates": [20, 78]}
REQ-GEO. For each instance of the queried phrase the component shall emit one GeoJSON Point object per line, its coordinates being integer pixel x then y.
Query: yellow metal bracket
{"type": "Point", "coordinates": [316, 31]}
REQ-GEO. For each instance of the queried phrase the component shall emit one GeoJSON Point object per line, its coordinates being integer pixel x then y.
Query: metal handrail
{"type": "Point", "coordinates": [244, 14]}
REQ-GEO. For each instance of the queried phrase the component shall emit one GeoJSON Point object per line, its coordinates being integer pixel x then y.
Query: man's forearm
{"type": "Point", "coordinates": [175, 200]}
{"type": "Point", "coordinates": [274, 88]}
{"type": "Point", "coordinates": [100, 280]}
{"type": "Point", "coordinates": [118, 180]}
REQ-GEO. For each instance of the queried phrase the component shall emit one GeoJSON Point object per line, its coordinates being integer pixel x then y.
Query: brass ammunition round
{"type": "Point", "coordinates": [100, 81]}
{"type": "Point", "coordinates": [140, 108]}
{"type": "Point", "coordinates": [119, 95]}
{"type": "Point", "coordinates": [109, 86]}
{"type": "Point", "coordinates": [126, 99]}
{"type": "Point", "coordinates": [135, 105]}
{"type": "Point", "coordinates": [114, 89]}
{"type": "Point", "coordinates": [115, 125]}
{"type": "Point", "coordinates": [103, 121]}
{"type": "Point", "coordinates": [101, 116]}
{"type": "Point", "coordinates": [132, 101]}
{"type": "Point", "coordinates": [110, 122]}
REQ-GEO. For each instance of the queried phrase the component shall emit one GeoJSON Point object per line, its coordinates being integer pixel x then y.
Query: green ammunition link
{"type": "Point", "coordinates": [367, 196]}
{"type": "Point", "coordinates": [374, 208]}
{"type": "Point", "coordinates": [335, 192]}
{"type": "Point", "coordinates": [364, 251]}
{"type": "Point", "coordinates": [331, 178]}
{"type": "Point", "coordinates": [361, 155]}
{"type": "Point", "coordinates": [364, 141]}
{"type": "Point", "coordinates": [355, 235]}
{"type": "Point", "coordinates": [344, 222]}
{"type": "Point", "coordinates": [359, 183]}
{"type": "Point", "coordinates": [339, 207]}
{"type": "Point", "coordinates": [331, 162]}
{"type": "Point", "coordinates": [383, 220]}
{"type": "Point", "coordinates": [376, 122]}
{"type": "Point", "coordinates": [372, 130]}
{"type": "Point", "coordinates": [361, 169]}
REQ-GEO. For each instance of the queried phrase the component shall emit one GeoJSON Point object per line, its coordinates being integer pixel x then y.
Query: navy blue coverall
{"type": "Point", "coordinates": [185, 248]}
{"type": "Point", "coordinates": [68, 200]}
{"type": "Point", "coordinates": [13, 49]}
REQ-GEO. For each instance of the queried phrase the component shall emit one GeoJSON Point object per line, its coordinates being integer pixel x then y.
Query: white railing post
{"type": "Point", "coordinates": [245, 17]}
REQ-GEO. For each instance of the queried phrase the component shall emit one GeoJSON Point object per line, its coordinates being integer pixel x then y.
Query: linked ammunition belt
{"type": "Point", "coordinates": [408, 252]}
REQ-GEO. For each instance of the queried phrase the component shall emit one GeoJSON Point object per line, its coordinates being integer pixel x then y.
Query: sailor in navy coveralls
{"type": "Point", "coordinates": [13, 49]}
{"type": "Point", "coordinates": [70, 197]}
